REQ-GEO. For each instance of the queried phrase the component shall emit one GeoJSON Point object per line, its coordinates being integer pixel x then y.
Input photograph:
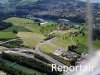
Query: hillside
{"type": "Point", "coordinates": [44, 8]}
{"type": "Point", "coordinates": [4, 1]}
{"type": "Point", "coordinates": [13, 1]}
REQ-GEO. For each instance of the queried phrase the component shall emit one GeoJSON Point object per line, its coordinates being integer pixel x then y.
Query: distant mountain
{"type": "Point", "coordinates": [15, 1]}
{"type": "Point", "coordinates": [71, 9]}
{"type": "Point", "coordinates": [4, 1]}
{"type": "Point", "coordinates": [43, 8]}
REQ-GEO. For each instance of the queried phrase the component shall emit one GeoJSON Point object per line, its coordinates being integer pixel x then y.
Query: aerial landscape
{"type": "Point", "coordinates": [37, 33]}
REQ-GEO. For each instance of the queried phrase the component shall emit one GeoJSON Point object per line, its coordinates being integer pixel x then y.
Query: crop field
{"type": "Point", "coordinates": [49, 27]}
{"type": "Point", "coordinates": [31, 39]}
{"type": "Point", "coordinates": [33, 28]}
{"type": "Point", "coordinates": [17, 28]}
{"type": "Point", "coordinates": [22, 24]}
{"type": "Point", "coordinates": [97, 44]}
{"type": "Point", "coordinates": [47, 48]}
{"type": "Point", "coordinates": [64, 41]}
{"type": "Point", "coordinates": [31, 33]}
{"type": "Point", "coordinates": [7, 35]}
{"type": "Point", "coordinates": [81, 42]}
{"type": "Point", "coordinates": [19, 21]}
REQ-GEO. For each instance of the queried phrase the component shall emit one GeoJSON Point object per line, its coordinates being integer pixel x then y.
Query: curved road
{"type": "Point", "coordinates": [46, 56]}
{"type": "Point", "coordinates": [37, 50]}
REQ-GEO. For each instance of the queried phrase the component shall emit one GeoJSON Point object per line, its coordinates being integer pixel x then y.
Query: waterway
{"type": "Point", "coordinates": [44, 20]}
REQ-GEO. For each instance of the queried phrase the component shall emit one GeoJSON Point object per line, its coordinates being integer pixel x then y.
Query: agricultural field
{"type": "Point", "coordinates": [7, 35]}
{"type": "Point", "coordinates": [19, 21]}
{"type": "Point", "coordinates": [47, 48]}
{"type": "Point", "coordinates": [32, 34]}
{"type": "Point", "coordinates": [31, 39]}
{"type": "Point", "coordinates": [17, 28]}
{"type": "Point", "coordinates": [49, 27]}
{"type": "Point", "coordinates": [97, 43]}
{"type": "Point", "coordinates": [28, 30]}
{"type": "Point", "coordinates": [34, 28]}
{"type": "Point", "coordinates": [22, 24]}
{"type": "Point", "coordinates": [81, 42]}
{"type": "Point", "coordinates": [64, 41]}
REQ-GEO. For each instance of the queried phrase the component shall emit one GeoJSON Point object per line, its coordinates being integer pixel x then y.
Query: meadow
{"type": "Point", "coordinates": [31, 39]}
{"type": "Point", "coordinates": [47, 48]}
{"type": "Point", "coordinates": [7, 35]}
{"type": "Point", "coordinates": [63, 41]}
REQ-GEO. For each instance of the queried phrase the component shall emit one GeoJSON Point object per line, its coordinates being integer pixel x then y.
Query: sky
{"type": "Point", "coordinates": [94, 1]}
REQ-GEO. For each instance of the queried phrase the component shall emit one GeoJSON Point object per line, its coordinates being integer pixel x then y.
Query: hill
{"type": "Point", "coordinates": [44, 8]}
{"type": "Point", "coordinates": [21, 24]}
{"type": "Point", "coordinates": [14, 1]}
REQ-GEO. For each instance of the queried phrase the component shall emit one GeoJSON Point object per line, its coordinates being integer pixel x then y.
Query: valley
{"type": "Point", "coordinates": [45, 39]}
{"type": "Point", "coordinates": [34, 34]}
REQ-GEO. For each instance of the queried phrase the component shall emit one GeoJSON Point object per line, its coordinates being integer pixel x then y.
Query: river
{"type": "Point", "coordinates": [46, 20]}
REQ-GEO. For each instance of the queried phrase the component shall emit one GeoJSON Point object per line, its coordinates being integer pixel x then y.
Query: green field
{"type": "Point", "coordinates": [97, 43]}
{"type": "Point", "coordinates": [31, 39]}
{"type": "Point", "coordinates": [19, 21]}
{"type": "Point", "coordinates": [29, 31]}
{"type": "Point", "coordinates": [64, 40]}
{"type": "Point", "coordinates": [22, 24]}
{"type": "Point", "coordinates": [7, 35]}
{"type": "Point", "coordinates": [47, 48]}
{"type": "Point", "coordinates": [17, 28]}
{"type": "Point", "coordinates": [49, 27]}
{"type": "Point", "coordinates": [34, 28]}
{"type": "Point", "coordinates": [81, 42]}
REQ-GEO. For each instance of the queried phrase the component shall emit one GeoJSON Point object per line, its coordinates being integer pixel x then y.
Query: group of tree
{"type": "Point", "coordinates": [4, 25]}
{"type": "Point", "coordinates": [30, 62]}
{"type": "Point", "coordinates": [96, 34]}
{"type": "Point", "coordinates": [11, 70]}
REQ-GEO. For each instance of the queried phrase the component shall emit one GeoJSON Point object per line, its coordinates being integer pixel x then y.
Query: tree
{"type": "Point", "coordinates": [34, 73]}
{"type": "Point", "coordinates": [83, 34]}
{"type": "Point", "coordinates": [71, 48]}
{"type": "Point", "coordinates": [39, 24]}
{"type": "Point", "coordinates": [15, 31]}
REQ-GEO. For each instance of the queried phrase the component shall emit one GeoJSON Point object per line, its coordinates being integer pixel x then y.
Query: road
{"type": "Point", "coordinates": [37, 50]}
{"type": "Point", "coordinates": [46, 56]}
